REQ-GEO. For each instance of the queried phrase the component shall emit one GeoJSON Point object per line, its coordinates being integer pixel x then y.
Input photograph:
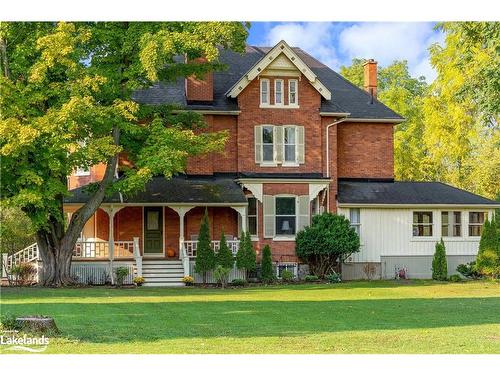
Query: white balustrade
{"type": "Point", "coordinates": [191, 246]}
{"type": "Point", "coordinates": [100, 249]}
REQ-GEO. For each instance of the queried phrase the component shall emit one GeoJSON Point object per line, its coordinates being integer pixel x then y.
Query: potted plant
{"type": "Point", "coordinates": [188, 280]}
{"type": "Point", "coordinates": [138, 280]}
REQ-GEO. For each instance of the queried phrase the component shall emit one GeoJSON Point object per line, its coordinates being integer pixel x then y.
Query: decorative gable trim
{"type": "Point", "coordinates": [280, 48]}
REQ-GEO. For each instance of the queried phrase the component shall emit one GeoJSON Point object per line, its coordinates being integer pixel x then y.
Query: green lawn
{"type": "Point", "coordinates": [354, 317]}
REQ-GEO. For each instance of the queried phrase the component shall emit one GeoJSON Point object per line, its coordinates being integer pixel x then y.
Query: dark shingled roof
{"type": "Point", "coordinates": [363, 192]}
{"type": "Point", "coordinates": [180, 189]}
{"type": "Point", "coordinates": [346, 97]}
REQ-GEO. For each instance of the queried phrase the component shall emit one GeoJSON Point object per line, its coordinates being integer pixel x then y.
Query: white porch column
{"type": "Point", "coordinates": [111, 211]}
{"type": "Point", "coordinates": [137, 256]}
{"type": "Point", "coordinates": [181, 211]}
{"type": "Point", "coordinates": [242, 210]}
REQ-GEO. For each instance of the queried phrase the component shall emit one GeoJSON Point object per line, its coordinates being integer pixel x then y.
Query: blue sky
{"type": "Point", "coordinates": [336, 43]}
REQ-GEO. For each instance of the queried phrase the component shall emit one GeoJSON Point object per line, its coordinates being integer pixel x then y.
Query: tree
{"type": "Point", "coordinates": [266, 268]}
{"type": "Point", "coordinates": [245, 257]}
{"type": "Point", "coordinates": [224, 257]}
{"type": "Point", "coordinates": [205, 256]}
{"type": "Point", "coordinates": [489, 237]}
{"type": "Point", "coordinates": [439, 264]}
{"type": "Point", "coordinates": [488, 257]}
{"type": "Point", "coordinates": [328, 241]}
{"type": "Point", "coordinates": [16, 231]}
{"type": "Point", "coordinates": [66, 103]}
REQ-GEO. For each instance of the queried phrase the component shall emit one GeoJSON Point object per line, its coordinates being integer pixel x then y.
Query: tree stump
{"type": "Point", "coordinates": [37, 324]}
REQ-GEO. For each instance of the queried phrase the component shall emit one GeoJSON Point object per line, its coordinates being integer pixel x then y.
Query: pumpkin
{"type": "Point", "coordinates": [170, 253]}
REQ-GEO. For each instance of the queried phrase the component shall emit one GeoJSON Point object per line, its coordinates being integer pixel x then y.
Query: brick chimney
{"type": "Point", "coordinates": [370, 83]}
{"type": "Point", "coordinates": [200, 90]}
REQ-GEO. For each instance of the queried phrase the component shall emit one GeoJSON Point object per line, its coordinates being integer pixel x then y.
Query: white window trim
{"type": "Point", "coordinates": [286, 237]}
{"type": "Point", "coordinates": [262, 104]}
{"type": "Point", "coordinates": [282, 104]}
{"type": "Point", "coordinates": [268, 163]}
{"type": "Point", "coordinates": [80, 172]}
{"type": "Point", "coordinates": [296, 93]}
{"type": "Point", "coordinates": [254, 237]}
{"type": "Point", "coordinates": [290, 163]}
{"type": "Point", "coordinates": [432, 225]}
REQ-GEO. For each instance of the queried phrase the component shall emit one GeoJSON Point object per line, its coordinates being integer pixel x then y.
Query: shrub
{"type": "Point", "coordinates": [488, 264]}
{"type": "Point", "coordinates": [224, 257]}
{"type": "Point", "coordinates": [246, 258]}
{"type": "Point", "coordinates": [205, 256]}
{"type": "Point", "coordinates": [266, 270]}
{"type": "Point", "coordinates": [238, 282]}
{"type": "Point", "coordinates": [287, 276]}
{"type": "Point", "coordinates": [333, 278]}
{"type": "Point", "coordinates": [488, 257]}
{"type": "Point", "coordinates": [188, 280]}
{"type": "Point", "coordinates": [469, 270]}
{"type": "Point", "coordinates": [138, 280]}
{"type": "Point", "coordinates": [24, 273]}
{"type": "Point", "coordinates": [311, 278]}
{"type": "Point", "coordinates": [221, 274]}
{"type": "Point", "coordinates": [121, 274]}
{"type": "Point", "coordinates": [455, 278]}
{"type": "Point", "coordinates": [326, 242]}
{"type": "Point", "coordinates": [439, 266]}
{"type": "Point", "coordinates": [8, 322]}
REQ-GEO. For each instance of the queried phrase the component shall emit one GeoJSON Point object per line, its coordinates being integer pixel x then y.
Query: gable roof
{"type": "Point", "coordinates": [407, 193]}
{"type": "Point", "coordinates": [267, 59]}
{"type": "Point", "coordinates": [345, 96]}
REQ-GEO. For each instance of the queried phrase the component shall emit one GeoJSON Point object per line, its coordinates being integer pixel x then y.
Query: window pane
{"type": "Point", "coordinates": [278, 92]}
{"type": "Point", "coordinates": [444, 217]}
{"type": "Point", "coordinates": [267, 152]}
{"type": "Point", "coordinates": [252, 225]}
{"type": "Point", "coordinates": [285, 206]}
{"type": "Point", "coordinates": [267, 134]}
{"type": "Point", "coordinates": [475, 230]}
{"type": "Point", "coordinates": [285, 225]}
{"type": "Point", "coordinates": [252, 206]}
{"type": "Point", "coordinates": [422, 230]}
{"type": "Point", "coordinates": [290, 153]}
{"type": "Point", "coordinates": [444, 230]}
{"type": "Point", "coordinates": [457, 215]}
{"type": "Point", "coordinates": [424, 217]}
{"type": "Point", "coordinates": [476, 217]}
{"type": "Point", "coordinates": [457, 230]}
{"type": "Point", "coordinates": [354, 215]}
{"type": "Point", "coordinates": [264, 91]}
{"type": "Point", "coordinates": [289, 135]}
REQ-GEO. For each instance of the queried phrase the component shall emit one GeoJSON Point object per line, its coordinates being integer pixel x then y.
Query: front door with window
{"type": "Point", "coordinates": [153, 231]}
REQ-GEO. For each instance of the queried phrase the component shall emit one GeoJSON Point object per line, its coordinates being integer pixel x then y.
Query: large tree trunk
{"type": "Point", "coordinates": [56, 244]}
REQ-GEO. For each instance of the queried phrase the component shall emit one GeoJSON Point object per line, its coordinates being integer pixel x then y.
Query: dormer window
{"type": "Point", "coordinates": [278, 92]}
{"type": "Point", "coordinates": [264, 91]}
{"type": "Point", "coordinates": [292, 92]}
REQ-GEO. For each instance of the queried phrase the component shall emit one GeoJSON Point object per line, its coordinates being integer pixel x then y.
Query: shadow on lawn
{"type": "Point", "coordinates": [138, 321]}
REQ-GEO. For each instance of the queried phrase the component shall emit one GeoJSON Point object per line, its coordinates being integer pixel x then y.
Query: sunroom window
{"type": "Point", "coordinates": [285, 216]}
{"type": "Point", "coordinates": [451, 224]}
{"type": "Point", "coordinates": [422, 224]}
{"type": "Point", "coordinates": [476, 221]}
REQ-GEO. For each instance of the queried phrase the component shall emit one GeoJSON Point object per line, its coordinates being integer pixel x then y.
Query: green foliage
{"type": "Point", "coordinates": [121, 274]}
{"type": "Point", "coordinates": [246, 258]}
{"type": "Point", "coordinates": [138, 280]}
{"type": "Point", "coordinates": [439, 264]}
{"type": "Point", "coordinates": [311, 278]}
{"type": "Point", "coordinates": [205, 256]}
{"type": "Point", "coordinates": [455, 278]}
{"type": "Point", "coordinates": [488, 264]}
{"type": "Point", "coordinates": [328, 240]}
{"type": "Point", "coordinates": [489, 237]}
{"type": "Point", "coordinates": [8, 322]}
{"type": "Point", "coordinates": [469, 270]}
{"type": "Point", "coordinates": [238, 282]}
{"type": "Point", "coordinates": [221, 274]}
{"type": "Point", "coordinates": [16, 231]}
{"type": "Point", "coordinates": [333, 278]}
{"type": "Point", "coordinates": [488, 258]}
{"type": "Point", "coordinates": [224, 257]}
{"type": "Point", "coordinates": [24, 273]}
{"type": "Point", "coordinates": [266, 269]}
{"type": "Point", "coordinates": [287, 276]}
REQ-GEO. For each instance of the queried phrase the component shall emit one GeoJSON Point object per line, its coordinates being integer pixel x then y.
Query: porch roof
{"type": "Point", "coordinates": [179, 189]}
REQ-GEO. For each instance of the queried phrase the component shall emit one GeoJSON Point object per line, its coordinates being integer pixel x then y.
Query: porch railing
{"type": "Point", "coordinates": [100, 249]}
{"type": "Point", "coordinates": [191, 246]}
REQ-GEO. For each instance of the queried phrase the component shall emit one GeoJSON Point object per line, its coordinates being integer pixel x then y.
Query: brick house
{"type": "Point", "coordinates": [302, 140]}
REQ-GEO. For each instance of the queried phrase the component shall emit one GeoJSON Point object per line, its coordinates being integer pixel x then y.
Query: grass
{"type": "Point", "coordinates": [354, 317]}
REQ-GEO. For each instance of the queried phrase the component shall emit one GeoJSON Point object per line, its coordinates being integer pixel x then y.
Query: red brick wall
{"type": "Point", "coordinates": [200, 89]}
{"type": "Point", "coordinates": [171, 232]}
{"type": "Point", "coordinates": [307, 115]}
{"type": "Point", "coordinates": [96, 174]}
{"type": "Point", "coordinates": [219, 218]}
{"type": "Point", "coordinates": [365, 150]}
{"type": "Point", "coordinates": [128, 224]}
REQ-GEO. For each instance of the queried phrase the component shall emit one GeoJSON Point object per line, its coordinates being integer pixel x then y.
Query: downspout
{"type": "Point", "coordinates": [328, 157]}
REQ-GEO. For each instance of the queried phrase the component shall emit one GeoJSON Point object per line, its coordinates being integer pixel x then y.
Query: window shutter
{"type": "Point", "coordinates": [278, 144]}
{"type": "Point", "coordinates": [269, 220]}
{"type": "Point", "coordinates": [258, 144]}
{"type": "Point", "coordinates": [300, 145]}
{"type": "Point", "coordinates": [303, 217]}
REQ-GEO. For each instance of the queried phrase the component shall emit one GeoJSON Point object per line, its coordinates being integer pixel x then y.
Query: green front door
{"type": "Point", "coordinates": [153, 231]}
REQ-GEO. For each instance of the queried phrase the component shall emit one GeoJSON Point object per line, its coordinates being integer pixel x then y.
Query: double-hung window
{"type": "Point", "coordinates": [264, 91]}
{"type": "Point", "coordinates": [290, 144]}
{"type": "Point", "coordinates": [451, 224]}
{"type": "Point", "coordinates": [278, 92]}
{"type": "Point", "coordinates": [292, 92]}
{"type": "Point", "coordinates": [476, 221]}
{"type": "Point", "coordinates": [422, 224]}
{"type": "Point", "coordinates": [268, 144]}
{"type": "Point", "coordinates": [285, 216]}
{"type": "Point", "coordinates": [354, 218]}
{"type": "Point", "coordinates": [252, 216]}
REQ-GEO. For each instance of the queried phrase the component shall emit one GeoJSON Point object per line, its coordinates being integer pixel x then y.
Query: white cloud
{"type": "Point", "coordinates": [386, 42]}
{"type": "Point", "coordinates": [313, 37]}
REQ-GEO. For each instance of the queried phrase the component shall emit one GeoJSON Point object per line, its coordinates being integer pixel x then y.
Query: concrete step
{"type": "Point", "coordinates": [163, 278]}
{"type": "Point", "coordinates": [163, 266]}
{"type": "Point", "coordinates": [177, 275]}
{"type": "Point", "coordinates": [173, 284]}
